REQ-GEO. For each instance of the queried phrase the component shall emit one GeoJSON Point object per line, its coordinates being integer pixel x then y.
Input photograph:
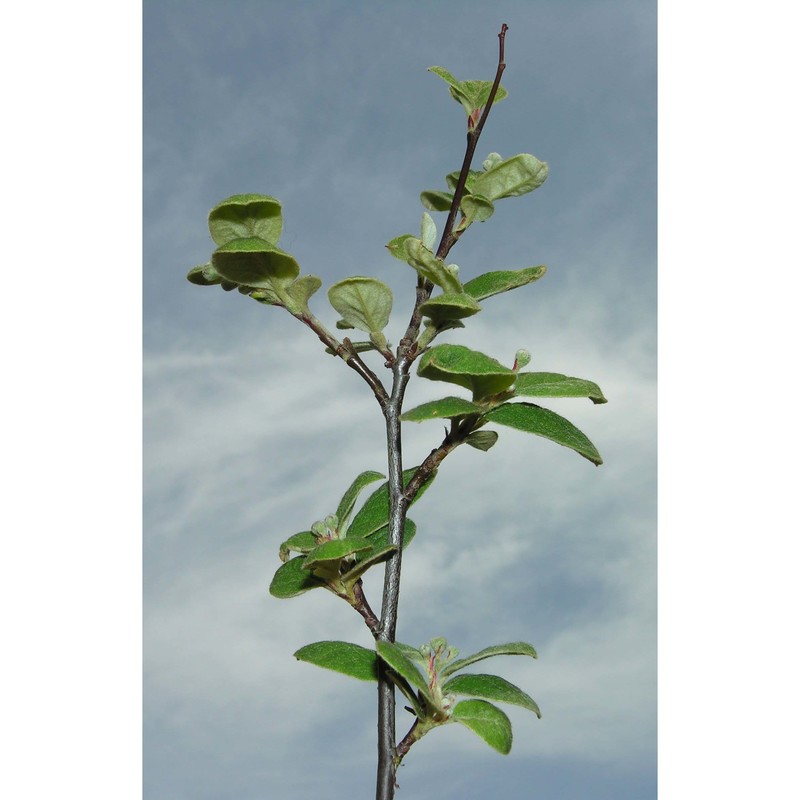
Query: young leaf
{"type": "Point", "coordinates": [552, 384]}
{"type": "Point", "coordinates": [291, 579]}
{"type": "Point", "coordinates": [397, 246]}
{"type": "Point", "coordinates": [364, 303]}
{"type": "Point", "coordinates": [372, 557]}
{"type": "Point", "coordinates": [492, 160]}
{"type": "Point", "coordinates": [446, 307]}
{"type": "Point", "coordinates": [492, 283]}
{"type": "Point", "coordinates": [436, 201]}
{"type": "Point", "coordinates": [511, 178]}
{"type": "Point", "coordinates": [430, 267]}
{"type": "Point", "coordinates": [471, 94]}
{"type": "Point", "coordinates": [348, 500]}
{"type": "Point", "coordinates": [491, 687]}
{"type": "Point", "coordinates": [477, 208]}
{"type": "Point", "coordinates": [482, 440]}
{"type": "Point", "coordinates": [374, 514]}
{"type": "Point", "coordinates": [204, 275]}
{"type": "Point", "coordinates": [403, 666]}
{"type": "Point", "coordinates": [446, 408]}
{"type": "Point", "coordinates": [349, 659]}
{"type": "Point", "coordinates": [380, 539]}
{"type": "Point", "coordinates": [243, 216]}
{"type": "Point", "coordinates": [334, 550]}
{"type": "Point", "coordinates": [543, 422]}
{"type": "Point", "coordinates": [303, 542]}
{"type": "Point", "coordinates": [510, 649]}
{"type": "Point", "coordinates": [255, 262]}
{"type": "Point", "coordinates": [428, 231]}
{"type": "Point", "coordinates": [488, 721]}
{"type": "Point", "coordinates": [457, 364]}
{"type": "Point", "coordinates": [300, 291]}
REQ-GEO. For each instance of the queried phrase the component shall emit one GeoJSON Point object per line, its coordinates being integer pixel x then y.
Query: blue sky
{"type": "Point", "coordinates": [251, 433]}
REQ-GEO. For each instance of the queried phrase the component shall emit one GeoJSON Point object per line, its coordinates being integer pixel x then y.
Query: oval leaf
{"type": "Point", "coordinates": [457, 364]}
{"type": "Point", "coordinates": [333, 551]}
{"type": "Point", "coordinates": [482, 440]}
{"type": "Point", "coordinates": [404, 667]}
{"type": "Point", "coordinates": [492, 283]}
{"type": "Point", "coordinates": [430, 267]}
{"type": "Point", "coordinates": [380, 540]}
{"type": "Point", "coordinates": [553, 384]}
{"type": "Point", "coordinates": [246, 215]}
{"type": "Point", "coordinates": [543, 422]}
{"type": "Point", "coordinates": [488, 721]}
{"type": "Point", "coordinates": [291, 579]}
{"type": "Point", "coordinates": [511, 178]}
{"type": "Point", "coordinates": [348, 500]}
{"type": "Point", "coordinates": [476, 208]}
{"type": "Point", "coordinates": [436, 201]}
{"type": "Point", "coordinates": [446, 408]}
{"type": "Point", "coordinates": [349, 659]}
{"type": "Point", "coordinates": [255, 262]}
{"type": "Point", "coordinates": [364, 303]}
{"type": "Point", "coordinates": [300, 291]}
{"type": "Point", "coordinates": [397, 246]}
{"type": "Point", "coordinates": [446, 307]}
{"type": "Point", "coordinates": [491, 687]}
{"type": "Point", "coordinates": [509, 649]}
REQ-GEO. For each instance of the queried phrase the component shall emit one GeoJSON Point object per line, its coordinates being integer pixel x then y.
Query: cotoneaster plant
{"type": "Point", "coordinates": [335, 552]}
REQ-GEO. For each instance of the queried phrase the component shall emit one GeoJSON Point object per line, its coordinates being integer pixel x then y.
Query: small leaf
{"type": "Point", "coordinates": [482, 440]}
{"type": "Point", "coordinates": [303, 542]}
{"type": "Point", "coordinates": [454, 363]}
{"type": "Point", "coordinates": [380, 540]}
{"type": "Point", "coordinates": [243, 216]}
{"type": "Point", "coordinates": [510, 649]}
{"type": "Point", "coordinates": [436, 201]}
{"type": "Point", "coordinates": [492, 160]}
{"type": "Point", "coordinates": [488, 721]}
{"type": "Point", "coordinates": [452, 179]}
{"type": "Point", "coordinates": [428, 231]}
{"type": "Point", "coordinates": [404, 666]}
{"type": "Point", "coordinates": [543, 422]}
{"type": "Point", "coordinates": [365, 303]}
{"type": "Point", "coordinates": [375, 556]}
{"type": "Point", "coordinates": [491, 687]}
{"type": "Point", "coordinates": [477, 208]}
{"type": "Point", "coordinates": [333, 551]}
{"type": "Point", "coordinates": [511, 178]}
{"type": "Point", "coordinates": [430, 267]}
{"type": "Point", "coordinates": [397, 246]}
{"type": "Point", "coordinates": [349, 659]}
{"type": "Point", "coordinates": [553, 384]}
{"type": "Point", "coordinates": [446, 408]}
{"type": "Point", "coordinates": [291, 579]}
{"type": "Point", "coordinates": [348, 500]}
{"type": "Point", "coordinates": [471, 94]}
{"type": "Point", "coordinates": [492, 283]}
{"type": "Point", "coordinates": [204, 275]}
{"type": "Point", "coordinates": [255, 262]}
{"type": "Point", "coordinates": [300, 291]}
{"type": "Point", "coordinates": [446, 307]}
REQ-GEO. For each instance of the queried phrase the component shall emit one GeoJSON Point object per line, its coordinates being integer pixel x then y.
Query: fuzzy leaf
{"type": "Point", "coordinates": [255, 262]}
{"type": "Point", "coordinates": [243, 216]}
{"type": "Point", "coordinates": [291, 579]}
{"type": "Point", "coordinates": [364, 303]}
{"type": "Point", "coordinates": [348, 500]}
{"type": "Point", "coordinates": [430, 267]}
{"type": "Point", "coordinates": [404, 666]}
{"type": "Point", "coordinates": [492, 283]}
{"type": "Point", "coordinates": [334, 551]}
{"type": "Point", "coordinates": [303, 542]}
{"type": "Point", "coordinates": [482, 440]}
{"type": "Point", "coordinates": [471, 94]}
{"type": "Point", "coordinates": [511, 178]}
{"type": "Point", "coordinates": [491, 687]}
{"type": "Point", "coordinates": [397, 246]}
{"type": "Point", "coordinates": [477, 208]}
{"type": "Point", "coordinates": [552, 384]}
{"type": "Point", "coordinates": [204, 275]}
{"type": "Point", "coordinates": [510, 649]}
{"type": "Point", "coordinates": [436, 201]}
{"type": "Point", "coordinates": [488, 721]}
{"type": "Point", "coordinates": [446, 408]}
{"type": "Point", "coordinates": [349, 659]}
{"type": "Point", "coordinates": [457, 364]}
{"type": "Point", "coordinates": [446, 307]}
{"type": "Point", "coordinates": [543, 422]}
{"type": "Point", "coordinates": [428, 231]}
{"type": "Point", "coordinates": [380, 539]}
{"type": "Point", "coordinates": [301, 290]}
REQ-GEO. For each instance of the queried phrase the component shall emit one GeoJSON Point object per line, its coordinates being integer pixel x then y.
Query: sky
{"type": "Point", "coordinates": [252, 433]}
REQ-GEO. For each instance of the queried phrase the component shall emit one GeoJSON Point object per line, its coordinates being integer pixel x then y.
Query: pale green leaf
{"type": "Point", "coordinates": [454, 363]}
{"type": "Point", "coordinates": [365, 303]}
{"type": "Point", "coordinates": [397, 246]}
{"type": "Point", "coordinates": [543, 422]}
{"type": "Point", "coordinates": [492, 160]}
{"type": "Point", "coordinates": [255, 262]}
{"type": "Point", "coordinates": [488, 721]}
{"type": "Point", "coordinates": [482, 440]}
{"type": "Point", "coordinates": [491, 687]}
{"type": "Point", "coordinates": [300, 291]}
{"type": "Point", "coordinates": [476, 208]}
{"type": "Point", "coordinates": [430, 267]}
{"type": "Point", "coordinates": [509, 649]}
{"type": "Point", "coordinates": [511, 178]}
{"type": "Point", "coordinates": [349, 659]}
{"type": "Point", "coordinates": [492, 283]}
{"type": "Point", "coordinates": [553, 384]}
{"type": "Point", "coordinates": [446, 408]}
{"type": "Point", "coordinates": [243, 216]}
{"type": "Point", "coordinates": [428, 231]}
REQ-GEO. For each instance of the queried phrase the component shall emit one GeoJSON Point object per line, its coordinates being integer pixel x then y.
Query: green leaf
{"type": "Point", "coordinates": [204, 275]}
{"type": "Point", "coordinates": [492, 160]}
{"type": "Point", "coordinates": [492, 283]}
{"type": "Point", "coordinates": [380, 540]}
{"type": "Point", "coordinates": [374, 556]}
{"type": "Point", "coordinates": [511, 178]}
{"type": "Point", "coordinates": [432, 268]}
{"type": "Point", "coordinates": [243, 216]}
{"type": "Point", "coordinates": [291, 579]}
{"type": "Point", "coordinates": [477, 208]}
{"type": "Point", "coordinates": [403, 666]}
{"type": "Point", "coordinates": [349, 659]}
{"type": "Point", "coordinates": [300, 291]}
{"type": "Point", "coordinates": [471, 94]}
{"type": "Point", "coordinates": [446, 408]}
{"type": "Point", "coordinates": [303, 542]}
{"type": "Point", "coordinates": [436, 201]}
{"type": "Point", "coordinates": [510, 649]}
{"type": "Point", "coordinates": [482, 440]}
{"type": "Point", "coordinates": [334, 551]}
{"type": "Point", "coordinates": [428, 231]}
{"type": "Point", "coordinates": [374, 514]}
{"type": "Point", "coordinates": [552, 384]}
{"type": "Point", "coordinates": [255, 262]}
{"type": "Point", "coordinates": [457, 364]}
{"type": "Point", "coordinates": [446, 307]}
{"type": "Point", "coordinates": [543, 422]}
{"type": "Point", "coordinates": [365, 303]}
{"type": "Point", "coordinates": [452, 179]}
{"type": "Point", "coordinates": [488, 721]}
{"type": "Point", "coordinates": [397, 246]}
{"type": "Point", "coordinates": [491, 687]}
{"type": "Point", "coordinates": [348, 500]}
